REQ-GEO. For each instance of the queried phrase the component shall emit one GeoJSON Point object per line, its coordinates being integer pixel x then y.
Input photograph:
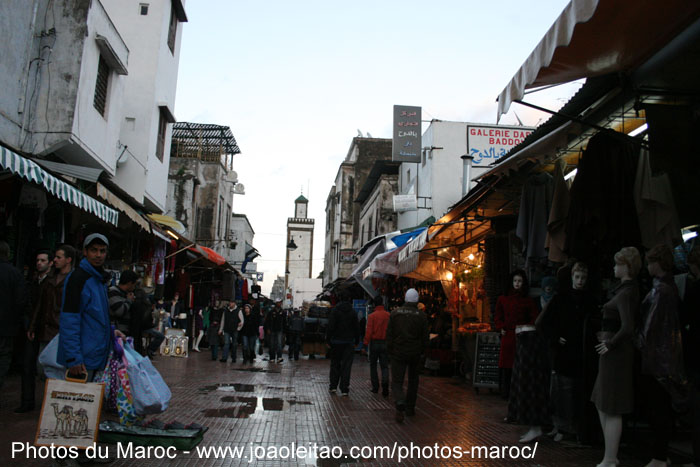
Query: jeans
{"type": "Point", "coordinates": [399, 366]}
{"type": "Point", "coordinates": [341, 365]}
{"type": "Point", "coordinates": [378, 352]}
{"type": "Point", "coordinates": [230, 342]}
{"type": "Point", "coordinates": [249, 347]}
{"type": "Point", "coordinates": [275, 345]}
{"type": "Point", "coordinates": [157, 338]}
{"type": "Point", "coordinates": [294, 345]}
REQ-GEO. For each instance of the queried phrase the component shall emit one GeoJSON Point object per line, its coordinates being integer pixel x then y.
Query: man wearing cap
{"type": "Point", "coordinates": [84, 325]}
{"type": "Point", "coordinates": [406, 339]}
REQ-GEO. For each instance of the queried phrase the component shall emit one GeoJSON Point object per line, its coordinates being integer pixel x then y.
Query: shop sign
{"type": "Point", "coordinates": [259, 276]}
{"type": "Point", "coordinates": [405, 203]}
{"type": "Point", "coordinates": [406, 144]}
{"type": "Point", "coordinates": [488, 143]}
{"type": "Point", "coordinates": [347, 256]}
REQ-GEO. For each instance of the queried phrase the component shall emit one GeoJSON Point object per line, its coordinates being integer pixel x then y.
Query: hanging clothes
{"type": "Point", "coordinates": [602, 215]}
{"type": "Point", "coordinates": [535, 201]}
{"type": "Point", "coordinates": [556, 225]}
{"type": "Point", "coordinates": [658, 218]}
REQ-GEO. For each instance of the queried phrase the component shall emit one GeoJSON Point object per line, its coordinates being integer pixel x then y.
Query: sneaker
{"type": "Point", "coordinates": [344, 393]}
{"type": "Point", "coordinates": [332, 391]}
{"type": "Point", "coordinates": [194, 349]}
{"type": "Point", "coordinates": [280, 360]}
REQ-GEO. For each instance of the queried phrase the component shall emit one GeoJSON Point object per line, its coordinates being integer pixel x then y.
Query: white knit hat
{"type": "Point", "coordinates": [411, 296]}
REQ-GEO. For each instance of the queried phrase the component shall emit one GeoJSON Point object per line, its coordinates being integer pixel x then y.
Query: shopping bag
{"type": "Point", "coordinates": [70, 413]}
{"type": "Point", "coordinates": [48, 360]}
{"type": "Point", "coordinates": [110, 375]}
{"type": "Point", "coordinates": [125, 399]}
{"type": "Point", "coordinates": [150, 393]}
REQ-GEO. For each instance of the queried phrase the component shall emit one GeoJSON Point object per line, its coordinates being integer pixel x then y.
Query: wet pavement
{"type": "Point", "coordinates": [272, 411]}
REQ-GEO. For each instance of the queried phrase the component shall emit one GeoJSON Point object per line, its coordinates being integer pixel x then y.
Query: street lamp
{"type": "Point", "coordinates": [291, 246]}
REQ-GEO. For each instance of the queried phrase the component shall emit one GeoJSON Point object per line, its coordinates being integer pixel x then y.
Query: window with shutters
{"type": "Point", "coordinates": [143, 9]}
{"type": "Point", "coordinates": [172, 31]}
{"type": "Point", "coordinates": [162, 128]}
{"type": "Point", "coordinates": [101, 86]}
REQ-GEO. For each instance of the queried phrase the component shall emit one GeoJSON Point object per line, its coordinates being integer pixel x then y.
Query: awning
{"type": "Point", "coordinates": [168, 221]}
{"type": "Point", "coordinates": [209, 254]}
{"type": "Point", "coordinates": [598, 37]}
{"type": "Point", "coordinates": [130, 212]}
{"type": "Point", "coordinates": [363, 263]}
{"type": "Point", "coordinates": [29, 170]}
{"type": "Point", "coordinates": [88, 174]}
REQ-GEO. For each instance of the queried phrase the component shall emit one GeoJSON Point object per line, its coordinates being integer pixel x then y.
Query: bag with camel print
{"type": "Point", "coordinates": [70, 413]}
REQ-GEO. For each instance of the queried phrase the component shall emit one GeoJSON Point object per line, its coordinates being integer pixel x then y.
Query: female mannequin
{"type": "Point", "coordinates": [661, 349]}
{"type": "Point", "coordinates": [512, 309]}
{"type": "Point", "coordinates": [613, 392]}
{"type": "Point", "coordinates": [563, 325]}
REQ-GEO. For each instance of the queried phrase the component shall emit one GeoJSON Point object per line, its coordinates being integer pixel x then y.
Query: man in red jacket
{"type": "Point", "coordinates": [375, 340]}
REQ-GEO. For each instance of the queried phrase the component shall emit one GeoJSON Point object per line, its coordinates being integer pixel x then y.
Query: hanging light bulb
{"type": "Point", "coordinates": [449, 275]}
{"type": "Point", "coordinates": [471, 256]}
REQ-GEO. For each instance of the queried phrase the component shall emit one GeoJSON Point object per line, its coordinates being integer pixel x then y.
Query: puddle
{"type": "Point", "coordinates": [244, 407]}
{"type": "Point", "coordinates": [228, 387]}
{"type": "Point", "coordinates": [278, 388]}
{"type": "Point", "coordinates": [255, 370]}
{"type": "Point", "coordinates": [295, 402]}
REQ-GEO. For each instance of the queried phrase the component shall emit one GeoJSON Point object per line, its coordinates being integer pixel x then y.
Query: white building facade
{"type": "Point", "coordinates": [300, 232]}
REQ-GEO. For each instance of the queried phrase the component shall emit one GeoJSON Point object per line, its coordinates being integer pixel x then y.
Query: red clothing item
{"type": "Point", "coordinates": [377, 322]}
{"type": "Point", "coordinates": [512, 310]}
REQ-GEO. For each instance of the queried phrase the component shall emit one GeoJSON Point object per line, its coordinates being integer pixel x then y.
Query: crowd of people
{"type": "Point", "coordinates": [546, 346]}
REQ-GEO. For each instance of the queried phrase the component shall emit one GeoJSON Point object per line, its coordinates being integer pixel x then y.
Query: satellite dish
{"type": "Point", "coordinates": [232, 176]}
{"type": "Point", "coordinates": [239, 189]}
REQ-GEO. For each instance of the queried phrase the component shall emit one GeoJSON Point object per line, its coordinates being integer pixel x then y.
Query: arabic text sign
{"type": "Point", "coordinates": [488, 143]}
{"type": "Point", "coordinates": [406, 145]}
{"type": "Point", "coordinates": [405, 203]}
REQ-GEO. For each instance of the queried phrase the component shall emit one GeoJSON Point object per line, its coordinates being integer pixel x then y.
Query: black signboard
{"type": "Point", "coordinates": [406, 145]}
{"type": "Point", "coordinates": [488, 347]}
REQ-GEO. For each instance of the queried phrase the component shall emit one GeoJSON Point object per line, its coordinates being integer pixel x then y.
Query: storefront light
{"type": "Point", "coordinates": [448, 276]}
{"type": "Point", "coordinates": [688, 235]}
{"type": "Point", "coordinates": [471, 256]}
{"type": "Point", "coordinates": [571, 174]}
{"type": "Point", "coordinates": [638, 130]}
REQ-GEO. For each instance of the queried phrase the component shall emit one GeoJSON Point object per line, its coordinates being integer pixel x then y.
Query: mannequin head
{"type": "Point", "coordinates": [518, 281]}
{"type": "Point", "coordinates": [579, 276]}
{"type": "Point", "coordinates": [627, 263]}
{"type": "Point", "coordinates": [659, 261]}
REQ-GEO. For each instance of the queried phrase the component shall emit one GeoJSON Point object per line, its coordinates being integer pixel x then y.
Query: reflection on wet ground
{"type": "Point", "coordinates": [256, 370]}
{"type": "Point", "coordinates": [229, 387]}
{"type": "Point", "coordinates": [244, 407]}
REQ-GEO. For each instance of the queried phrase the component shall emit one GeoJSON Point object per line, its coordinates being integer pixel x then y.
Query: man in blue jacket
{"type": "Point", "coordinates": [84, 325]}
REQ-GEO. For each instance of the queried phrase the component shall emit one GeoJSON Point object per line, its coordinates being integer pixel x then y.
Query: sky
{"type": "Point", "coordinates": [295, 81]}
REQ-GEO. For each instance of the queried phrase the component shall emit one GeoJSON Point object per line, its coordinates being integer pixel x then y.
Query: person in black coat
{"type": "Point", "coordinates": [249, 331]}
{"type": "Point", "coordinates": [12, 292]}
{"type": "Point", "coordinates": [342, 336]}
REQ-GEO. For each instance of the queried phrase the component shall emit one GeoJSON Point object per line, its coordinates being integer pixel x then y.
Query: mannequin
{"type": "Point", "coordinates": [661, 348]}
{"type": "Point", "coordinates": [199, 329]}
{"type": "Point", "coordinates": [512, 309]}
{"type": "Point", "coordinates": [563, 325]}
{"type": "Point", "coordinates": [613, 392]}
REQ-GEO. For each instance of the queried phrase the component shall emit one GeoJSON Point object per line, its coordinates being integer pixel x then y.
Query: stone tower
{"type": "Point", "coordinates": [300, 232]}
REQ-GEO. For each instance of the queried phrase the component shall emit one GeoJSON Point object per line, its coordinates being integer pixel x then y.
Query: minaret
{"type": "Point", "coordinates": [300, 233]}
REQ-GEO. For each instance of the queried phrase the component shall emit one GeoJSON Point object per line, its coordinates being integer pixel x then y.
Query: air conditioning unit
{"type": "Point", "coordinates": [239, 189]}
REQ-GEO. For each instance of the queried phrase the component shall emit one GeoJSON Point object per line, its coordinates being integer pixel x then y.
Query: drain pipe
{"type": "Point", "coordinates": [466, 173]}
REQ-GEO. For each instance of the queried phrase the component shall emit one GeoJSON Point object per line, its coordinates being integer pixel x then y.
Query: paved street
{"type": "Point", "coordinates": [275, 405]}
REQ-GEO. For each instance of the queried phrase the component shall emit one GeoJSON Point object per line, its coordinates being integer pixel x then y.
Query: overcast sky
{"type": "Point", "coordinates": [296, 80]}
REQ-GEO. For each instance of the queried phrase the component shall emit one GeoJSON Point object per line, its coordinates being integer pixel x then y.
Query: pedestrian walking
{"type": "Point", "coordinates": [343, 335]}
{"type": "Point", "coordinates": [214, 327]}
{"type": "Point", "coordinates": [375, 341]}
{"type": "Point", "coordinates": [231, 323]}
{"type": "Point", "coordinates": [84, 326]}
{"type": "Point", "coordinates": [274, 327]}
{"type": "Point", "coordinates": [45, 318]}
{"type": "Point", "coordinates": [249, 331]}
{"type": "Point", "coordinates": [295, 331]}
{"type": "Point", "coordinates": [406, 339]}
{"type": "Point", "coordinates": [12, 291]}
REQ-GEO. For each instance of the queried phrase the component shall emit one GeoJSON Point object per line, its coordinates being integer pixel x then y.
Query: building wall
{"type": "Point", "coordinates": [305, 289]}
{"type": "Point", "coordinates": [241, 232]}
{"type": "Point", "coordinates": [379, 208]}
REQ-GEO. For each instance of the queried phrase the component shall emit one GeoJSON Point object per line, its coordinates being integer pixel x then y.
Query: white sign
{"type": "Point", "coordinates": [405, 203]}
{"type": "Point", "coordinates": [488, 143]}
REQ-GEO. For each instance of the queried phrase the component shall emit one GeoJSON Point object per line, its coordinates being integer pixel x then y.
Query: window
{"type": "Point", "coordinates": [143, 9]}
{"type": "Point", "coordinates": [362, 235]}
{"type": "Point", "coordinates": [369, 228]}
{"type": "Point", "coordinates": [172, 31]}
{"type": "Point", "coordinates": [101, 86]}
{"type": "Point", "coordinates": [162, 129]}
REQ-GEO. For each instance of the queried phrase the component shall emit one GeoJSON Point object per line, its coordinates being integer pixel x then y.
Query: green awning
{"type": "Point", "coordinates": [29, 170]}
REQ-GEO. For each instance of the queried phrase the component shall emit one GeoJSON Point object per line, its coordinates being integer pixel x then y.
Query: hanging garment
{"type": "Point", "coordinates": [602, 215]}
{"type": "Point", "coordinates": [658, 219]}
{"type": "Point", "coordinates": [535, 202]}
{"type": "Point", "coordinates": [556, 226]}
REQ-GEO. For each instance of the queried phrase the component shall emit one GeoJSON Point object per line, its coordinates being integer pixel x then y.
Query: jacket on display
{"type": "Point", "coordinates": [512, 310]}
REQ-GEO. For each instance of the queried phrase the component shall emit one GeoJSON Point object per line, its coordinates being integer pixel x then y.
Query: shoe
{"type": "Point", "coordinates": [553, 433]}
{"type": "Point", "coordinates": [531, 435]}
{"type": "Point", "coordinates": [280, 360]}
{"type": "Point", "coordinates": [223, 360]}
{"type": "Point", "coordinates": [399, 416]}
{"type": "Point", "coordinates": [410, 411]}
{"type": "Point", "coordinates": [194, 349]}
{"type": "Point", "coordinates": [558, 437]}
{"type": "Point", "coordinates": [374, 390]}
{"type": "Point", "coordinates": [332, 391]}
{"type": "Point", "coordinates": [24, 408]}
{"type": "Point", "coordinates": [345, 394]}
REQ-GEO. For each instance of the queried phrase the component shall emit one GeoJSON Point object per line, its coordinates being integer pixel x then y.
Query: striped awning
{"type": "Point", "coordinates": [29, 170]}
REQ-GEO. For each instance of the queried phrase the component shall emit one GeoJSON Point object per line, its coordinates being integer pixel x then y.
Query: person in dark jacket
{"type": "Point", "coordinates": [295, 330]}
{"type": "Point", "coordinates": [275, 322]}
{"type": "Point", "coordinates": [214, 327]}
{"type": "Point", "coordinates": [406, 339]}
{"type": "Point", "coordinates": [121, 298]}
{"type": "Point", "coordinates": [249, 331]}
{"type": "Point", "coordinates": [343, 334]}
{"type": "Point", "coordinates": [11, 306]}
{"type": "Point", "coordinates": [231, 323]}
{"type": "Point", "coordinates": [85, 332]}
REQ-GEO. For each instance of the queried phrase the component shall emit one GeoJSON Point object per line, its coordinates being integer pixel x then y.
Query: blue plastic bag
{"type": "Point", "coordinates": [48, 359]}
{"type": "Point", "coordinates": [150, 393]}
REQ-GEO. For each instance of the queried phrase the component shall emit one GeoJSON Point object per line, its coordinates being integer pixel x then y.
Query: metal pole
{"type": "Point", "coordinates": [466, 173]}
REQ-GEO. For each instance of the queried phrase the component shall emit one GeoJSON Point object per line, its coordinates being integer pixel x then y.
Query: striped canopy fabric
{"type": "Point", "coordinates": [29, 170]}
